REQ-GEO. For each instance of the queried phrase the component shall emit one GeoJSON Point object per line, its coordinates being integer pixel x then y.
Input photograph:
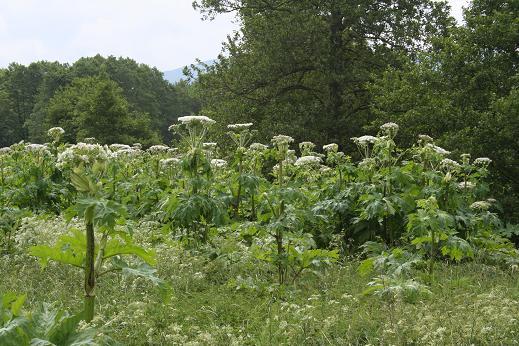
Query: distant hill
{"type": "Point", "coordinates": [174, 76]}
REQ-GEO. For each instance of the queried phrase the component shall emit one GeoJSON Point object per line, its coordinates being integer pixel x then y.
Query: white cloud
{"type": "Point", "coordinates": [162, 33]}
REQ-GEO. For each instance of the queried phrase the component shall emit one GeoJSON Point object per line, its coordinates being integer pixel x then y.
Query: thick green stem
{"type": "Point", "coordinates": [433, 249]}
{"type": "Point", "coordinates": [238, 193]}
{"type": "Point", "coordinates": [89, 273]}
{"type": "Point", "coordinates": [281, 250]}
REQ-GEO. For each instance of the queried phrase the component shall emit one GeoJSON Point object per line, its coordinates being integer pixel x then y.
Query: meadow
{"type": "Point", "coordinates": [253, 244]}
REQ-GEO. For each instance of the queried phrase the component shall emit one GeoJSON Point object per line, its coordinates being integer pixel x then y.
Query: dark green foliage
{"type": "Point", "coordinates": [463, 92]}
{"type": "Point", "coordinates": [301, 67]}
{"type": "Point", "coordinates": [149, 103]}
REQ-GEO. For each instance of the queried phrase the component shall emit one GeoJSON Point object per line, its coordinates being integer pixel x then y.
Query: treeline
{"type": "Point", "coordinates": [115, 100]}
{"type": "Point", "coordinates": [326, 71]}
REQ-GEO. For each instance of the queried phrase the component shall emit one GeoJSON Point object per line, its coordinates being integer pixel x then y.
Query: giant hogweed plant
{"type": "Point", "coordinates": [191, 206]}
{"type": "Point", "coordinates": [96, 257]}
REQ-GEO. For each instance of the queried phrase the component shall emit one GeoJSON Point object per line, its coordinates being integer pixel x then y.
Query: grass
{"type": "Point", "coordinates": [233, 300]}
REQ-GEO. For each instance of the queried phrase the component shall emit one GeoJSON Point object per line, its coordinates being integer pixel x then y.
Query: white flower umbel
{"type": "Point", "coordinates": [480, 205]}
{"type": "Point", "coordinates": [258, 147]}
{"type": "Point", "coordinates": [169, 162]}
{"type": "Point", "coordinates": [40, 149]}
{"type": "Point", "coordinates": [193, 128]}
{"type": "Point", "coordinates": [389, 129]}
{"type": "Point", "coordinates": [156, 149]}
{"type": "Point", "coordinates": [90, 140]}
{"type": "Point", "coordinates": [282, 140]}
{"type": "Point", "coordinates": [306, 148]}
{"type": "Point", "coordinates": [209, 145]}
{"type": "Point", "coordinates": [126, 153]}
{"type": "Point", "coordinates": [117, 147]}
{"type": "Point", "coordinates": [333, 147]}
{"type": "Point", "coordinates": [82, 153]}
{"type": "Point", "coordinates": [466, 185]}
{"type": "Point", "coordinates": [5, 150]}
{"type": "Point", "coordinates": [309, 160]}
{"type": "Point", "coordinates": [218, 163]}
{"type": "Point", "coordinates": [437, 149]}
{"type": "Point", "coordinates": [482, 161]}
{"type": "Point", "coordinates": [239, 127]}
{"type": "Point", "coordinates": [196, 119]}
{"type": "Point", "coordinates": [55, 133]}
{"type": "Point", "coordinates": [450, 164]}
{"type": "Point", "coordinates": [364, 140]}
{"type": "Point", "coordinates": [363, 144]}
{"type": "Point", "coordinates": [424, 139]}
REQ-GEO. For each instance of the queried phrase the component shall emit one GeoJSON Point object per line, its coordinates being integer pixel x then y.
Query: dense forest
{"type": "Point", "coordinates": [115, 100]}
{"type": "Point", "coordinates": [344, 173]}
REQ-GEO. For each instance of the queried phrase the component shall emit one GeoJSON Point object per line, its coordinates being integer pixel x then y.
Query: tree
{"type": "Point", "coordinates": [300, 67]}
{"type": "Point", "coordinates": [463, 91]}
{"type": "Point", "coordinates": [96, 107]}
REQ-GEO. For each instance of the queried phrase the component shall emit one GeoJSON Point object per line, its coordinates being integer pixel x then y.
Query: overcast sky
{"type": "Point", "coordinates": [162, 33]}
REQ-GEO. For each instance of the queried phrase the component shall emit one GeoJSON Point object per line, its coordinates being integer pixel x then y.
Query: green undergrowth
{"type": "Point", "coordinates": [230, 298]}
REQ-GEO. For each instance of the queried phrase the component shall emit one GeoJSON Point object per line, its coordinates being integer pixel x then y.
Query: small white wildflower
{"type": "Point", "coordinates": [331, 147]}
{"type": "Point", "coordinates": [218, 163]}
{"type": "Point", "coordinates": [308, 161]}
{"type": "Point", "coordinates": [239, 127]}
{"type": "Point", "coordinates": [196, 119]}
{"type": "Point", "coordinates": [480, 205]}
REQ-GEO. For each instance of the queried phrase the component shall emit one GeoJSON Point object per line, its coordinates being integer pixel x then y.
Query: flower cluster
{"type": "Point", "coordinates": [55, 133]}
{"type": "Point", "coordinates": [482, 161]}
{"type": "Point", "coordinates": [437, 149]}
{"type": "Point", "coordinates": [389, 129]}
{"type": "Point", "coordinates": [82, 153]}
{"type": "Point", "coordinates": [39, 149]}
{"type": "Point", "coordinates": [363, 141]}
{"type": "Point", "coordinates": [157, 149]}
{"type": "Point", "coordinates": [333, 147]}
{"type": "Point", "coordinates": [239, 127]}
{"type": "Point", "coordinates": [5, 151]}
{"type": "Point", "coordinates": [480, 205]}
{"type": "Point", "coordinates": [258, 147]}
{"type": "Point", "coordinates": [196, 119]}
{"type": "Point", "coordinates": [308, 160]}
{"type": "Point", "coordinates": [282, 140]}
{"type": "Point", "coordinates": [450, 164]}
{"type": "Point", "coordinates": [218, 163]}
